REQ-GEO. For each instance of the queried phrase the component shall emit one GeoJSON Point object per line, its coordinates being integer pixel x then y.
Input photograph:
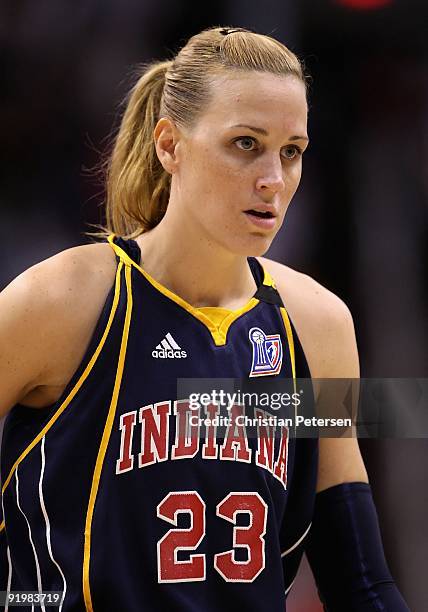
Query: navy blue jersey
{"type": "Point", "coordinates": [121, 500]}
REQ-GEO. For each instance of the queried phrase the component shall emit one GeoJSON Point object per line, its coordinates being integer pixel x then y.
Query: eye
{"type": "Point", "coordinates": [290, 152]}
{"type": "Point", "coordinates": [246, 143]}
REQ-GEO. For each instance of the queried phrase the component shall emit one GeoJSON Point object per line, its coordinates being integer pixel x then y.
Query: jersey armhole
{"type": "Point", "coordinates": [45, 418]}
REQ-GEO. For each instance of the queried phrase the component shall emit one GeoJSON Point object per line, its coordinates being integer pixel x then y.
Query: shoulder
{"type": "Point", "coordinates": [66, 270]}
{"type": "Point", "coordinates": [301, 290]}
{"type": "Point", "coordinates": [66, 278]}
{"type": "Point", "coordinates": [322, 320]}
{"type": "Point", "coordinates": [59, 287]}
{"type": "Point", "coordinates": [68, 287]}
{"type": "Point", "coordinates": [48, 314]}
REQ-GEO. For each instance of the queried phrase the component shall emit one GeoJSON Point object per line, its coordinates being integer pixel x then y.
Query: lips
{"type": "Point", "coordinates": [263, 210]}
{"type": "Point", "coordinates": [262, 214]}
{"type": "Point", "coordinates": [264, 219]}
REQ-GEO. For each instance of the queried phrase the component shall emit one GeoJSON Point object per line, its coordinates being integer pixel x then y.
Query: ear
{"type": "Point", "coordinates": [166, 137]}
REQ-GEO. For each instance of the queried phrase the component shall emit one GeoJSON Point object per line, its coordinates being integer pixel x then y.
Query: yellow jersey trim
{"type": "Point", "coordinates": [267, 278]}
{"type": "Point", "coordinates": [290, 339]}
{"type": "Point", "coordinates": [104, 444]}
{"type": "Point", "coordinates": [216, 314]}
{"type": "Point", "coordinates": [218, 332]}
{"type": "Point", "coordinates": [74, 390]}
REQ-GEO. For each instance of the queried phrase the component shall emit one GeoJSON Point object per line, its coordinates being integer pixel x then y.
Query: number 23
{"type": "Point", "coordinates": [194, 569]}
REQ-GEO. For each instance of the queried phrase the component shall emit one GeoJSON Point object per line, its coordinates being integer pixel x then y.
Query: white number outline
{"type": "Point", "coordinates": [236, 530]}
{"type": "Point", "coordinates": [174, 522]}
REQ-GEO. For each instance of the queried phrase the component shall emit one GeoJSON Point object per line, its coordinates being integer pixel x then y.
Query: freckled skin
{"type": "Point", "coordinates": [243, 152]}
{"type": "Point", "coordinates": [223, 179]}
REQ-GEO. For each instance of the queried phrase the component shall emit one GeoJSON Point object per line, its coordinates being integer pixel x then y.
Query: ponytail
{"type": "Point", "coordinates": [137, 185]}
{"type": "Point", "coordinates": [138, 188]}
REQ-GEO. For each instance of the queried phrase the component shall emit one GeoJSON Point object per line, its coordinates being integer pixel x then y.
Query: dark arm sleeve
{"type": "Point", "coordinates": [345, 551]}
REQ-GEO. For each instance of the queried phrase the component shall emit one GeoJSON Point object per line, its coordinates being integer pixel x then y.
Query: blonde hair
{"type": "Point", "coordinates": [137, 186]}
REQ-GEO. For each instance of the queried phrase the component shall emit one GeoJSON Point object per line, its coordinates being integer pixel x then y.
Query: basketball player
{"type": "Point", "coordinates": [107, 498]}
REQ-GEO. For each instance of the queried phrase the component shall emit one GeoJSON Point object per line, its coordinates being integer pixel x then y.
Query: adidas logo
{"type": "Point", "coordinates": [168, 349]}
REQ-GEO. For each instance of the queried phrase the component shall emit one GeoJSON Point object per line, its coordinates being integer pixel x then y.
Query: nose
{"type": "Point", "coordinates": [271, 180]}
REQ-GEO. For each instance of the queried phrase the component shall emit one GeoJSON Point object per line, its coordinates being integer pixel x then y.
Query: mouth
{"type": "Point", "coordinates": [263, 219]}
{"type": "Point", "coordinates": [261, 214]}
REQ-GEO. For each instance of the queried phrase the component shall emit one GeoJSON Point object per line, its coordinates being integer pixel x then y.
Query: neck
{"type": "Point", "coordinates": [193, 267]}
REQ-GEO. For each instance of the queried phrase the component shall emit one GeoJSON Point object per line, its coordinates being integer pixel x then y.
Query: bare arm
{"type": "Point", "coordinates": [47, 316]}
{"type": "Point", "coordinates": [23, 323]}
{"type": "Point", "coordinates": [340, 459]}
{"type": "Point", "coordinates": [344, 548]}
{"type": "Point", "coordinates": [326, 331]}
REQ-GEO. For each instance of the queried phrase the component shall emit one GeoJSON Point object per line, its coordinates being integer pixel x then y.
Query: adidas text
{"type": "Point", "coordinates": [168, 354]}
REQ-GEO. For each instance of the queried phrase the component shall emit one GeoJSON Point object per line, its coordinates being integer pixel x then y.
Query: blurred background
{"type": "Point", "coordinates": [358, 223]}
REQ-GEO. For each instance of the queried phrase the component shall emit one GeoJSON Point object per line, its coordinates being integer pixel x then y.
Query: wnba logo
{"type": "Point", "coordinates": [267, 353]}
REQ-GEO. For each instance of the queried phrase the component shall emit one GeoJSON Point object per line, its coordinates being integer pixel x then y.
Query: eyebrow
{"type": "Point", "coordinates": [264, 132]}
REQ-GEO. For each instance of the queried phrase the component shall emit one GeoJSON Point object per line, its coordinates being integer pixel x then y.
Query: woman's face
{"type": "Point", "coordinates": [239, 166]}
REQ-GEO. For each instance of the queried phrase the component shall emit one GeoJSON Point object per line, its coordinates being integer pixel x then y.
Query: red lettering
{"type": "Point", "coordinates": [186, 433]}
{"type": "Point", "coordinates": [280, 470]}
{"type": "Point", "coordinates": [210, 448]}
{"type": "Point", "coordinates": [235, 446]}
{"type": "Point", "coordinates": [265, 439]}
{"type": "Point", "coordinates": [127, 424]}
{"type": "Point", "coordinates": [154, 433]}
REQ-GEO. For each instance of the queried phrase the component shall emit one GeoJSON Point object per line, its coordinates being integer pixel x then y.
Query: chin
{"type": "Point", "coordinates": [259, 252]}
{"type": "Point", "coordinates": [255, 246]}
